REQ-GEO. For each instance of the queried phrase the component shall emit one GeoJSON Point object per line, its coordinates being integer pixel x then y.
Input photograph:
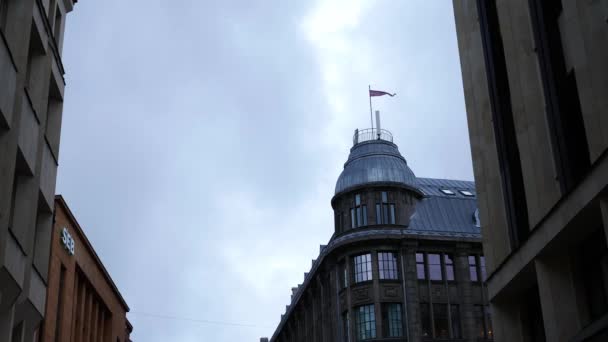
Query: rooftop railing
{"type": "Point", "coordinates": [368, 134]}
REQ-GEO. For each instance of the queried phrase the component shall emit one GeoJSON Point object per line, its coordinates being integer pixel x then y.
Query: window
{"type": "Point", "coordinates": [420, 270]}
{"type": "Point", "coordinates": [477, 273]}
{"type": "Point", "coordinates": [504, 126]}
{"type": "Point", "coordinates": [385, 212]}
{"type": "Point", "coordinates": [346, 327]}
{"type": "Point", "coordinates": [466, 193]}
{"type": "Point", "coordinates": [434, 266]}
{"type": "Point", "coordinates": [483, 321]}
{"type": "Point", "coordinates": [343, 275]}
{"type": "Point", "coordinates": [363, 267]}
{"type": "Point", "coordinates": [440, 318]}
{"type": "Point", "coordinates": [449, 267]}
{"type": "Point", "coordinates": [387, 265]}
{"type": "Point", "coordinates": [455, 316]}
{"type": "Point", "coordinates": [448, 192]}
{"type": "Point", "coordinates": [425, 316]}
{"type": "Point", "coordinates": [365, 322]}
{"type": "Point", "coordinates": [358, 214]}
{"type": "Point", "coordinates": [473, 268]}
{"type": "Point", "coordinates": [391, 319]}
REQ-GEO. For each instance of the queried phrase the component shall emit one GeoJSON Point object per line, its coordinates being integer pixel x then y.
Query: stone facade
{"type": "Point", "coordinates": [404, 264]}
{"type": "Point", "coordinates": [535, 80]}
{"type": "Point", "coordinates": [31, 103]}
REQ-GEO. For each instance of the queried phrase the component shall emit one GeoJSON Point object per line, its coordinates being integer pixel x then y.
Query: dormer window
{"type": "Point", "coordinates": [385, 212]}
{"type": "Point", "coordinates": [358, 214]}
{"type": "Point", "coordinates": [447, 192]}
{"type": "Point", "coordinates": [466, 193]}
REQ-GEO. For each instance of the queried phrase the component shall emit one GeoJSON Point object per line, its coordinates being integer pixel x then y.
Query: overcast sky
{"type": "Point", "coordinates": [201, 141]}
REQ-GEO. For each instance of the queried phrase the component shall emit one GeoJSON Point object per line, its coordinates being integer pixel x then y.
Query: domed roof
{"type": "Point", "coordinates": [375, 161]}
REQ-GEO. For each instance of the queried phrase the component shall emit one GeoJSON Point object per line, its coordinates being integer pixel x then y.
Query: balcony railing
{"type": "Point", "coordinates": [367, 134]}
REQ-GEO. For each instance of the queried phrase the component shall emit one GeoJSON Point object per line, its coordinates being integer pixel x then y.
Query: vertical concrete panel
{"type": "Point", "coordinates": [528, 105]}
{"type": "Point", "coordinates": [558, 297]}
{"type": "Point", "coordinates": [481, 134]}
{"type": "Point", "coordinates": [8, 75]}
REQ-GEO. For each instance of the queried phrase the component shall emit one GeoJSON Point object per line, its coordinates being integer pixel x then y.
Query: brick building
{"type": "Point", "coordinates": [83, 303]}
{"type": "Point", "coordinates": [404, 263]}
{"type": "Point", "coordinates": [536, 88]}
{"type": "Point", "coordinates": [31, 104]}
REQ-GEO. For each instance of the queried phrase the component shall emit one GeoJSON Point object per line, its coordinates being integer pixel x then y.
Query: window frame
{"type": "Point", "coordinates": [365, 271]}
{"type": "Point", "coordinates": [386, 212]}
{"type": "Point", "coordinates": [384, 265]}
{"type": "Point", "coordinates": [358, 213]}
{"type": "Point", "coordinates": [368, 312]}
{"type": "Point", "coordinates": [392, 327]}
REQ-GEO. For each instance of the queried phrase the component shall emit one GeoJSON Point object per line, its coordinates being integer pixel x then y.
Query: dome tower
{"type": "Point", "coordinates": [376, 187]}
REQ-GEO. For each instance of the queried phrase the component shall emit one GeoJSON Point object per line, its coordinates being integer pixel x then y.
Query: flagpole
{"type": "Point", "coordinates": [369, 93]}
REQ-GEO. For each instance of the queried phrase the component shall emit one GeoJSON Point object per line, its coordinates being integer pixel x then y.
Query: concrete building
{"type": "Point", "coordinates": [405, 262]}
{"type": "Point", "coordinates": [31, 101]}
{"type": "Point", "coordinates": [536, 87]}
{"type": "Point", "coordinates": [83, 303]}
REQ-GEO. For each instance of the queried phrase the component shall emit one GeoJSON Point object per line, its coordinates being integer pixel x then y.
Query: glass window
{"type": "Point", "coordinates": [456, 328]}
{"type": "Point", "coordinates": [473, 268]}
{"type": "Point", "coordinates": [449, 267]}
{"type": "Point", "coordinates": [363, 267]}
{"type": "Point", "coordinates": [343, 275]}
{"type": "Point", "coordinates": [385, 212]}
{"type": "Point", "coordinates": [482, 267]}
{"type": "Point", "coordinates": [440, 317]}
{"type": "Point", "coordinates": [392, 320]}
{"type": "Point", "coordinates": [479, 324]}
{"type": "Point", "coordinates": [420, 266]}
{"type": "Point", "coordinates": [434, 266]}
{"type": "Point", "coordinates": [365, 324]}
{"type": "Point", "coordinates": [425, 316]}
{"type": "Point", "coordinates": [387, 265]}
{"type": "Point", "coordinates": [358, 213]}
{"type": "Point", "coordinates": [448, 192]}
{"type": "Point", "coordinates": [466, 193]}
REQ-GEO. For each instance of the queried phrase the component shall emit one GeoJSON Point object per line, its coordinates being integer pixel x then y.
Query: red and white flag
{"type": "Point", "coordinates": [380, 93]}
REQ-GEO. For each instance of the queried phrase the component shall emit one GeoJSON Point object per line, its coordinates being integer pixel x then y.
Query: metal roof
{"type": "Point", "coordinates": [374, 161]}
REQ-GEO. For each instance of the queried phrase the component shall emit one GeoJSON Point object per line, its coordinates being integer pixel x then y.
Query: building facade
{"type": "Point", "coordinates": [405, 262]}
{"type": "Point", "coordinates": [83, 303]}
{"type": "Point", "coordinates": [536, 89]}
{"type": "Point", "coordinates": [31, 102]}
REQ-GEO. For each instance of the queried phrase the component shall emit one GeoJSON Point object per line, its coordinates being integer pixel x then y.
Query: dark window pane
{"type": "Point", "coordinates": [378, 214]}
{"type": "Point", "coordinates": [364, 215]}
{"type": "Point", "coordinates": [456, 329]}
{"type": "Point", "coordinates": [440, 317]}
{"type": "Point", "coordinates": [420, 271]}
{"type": "Point", "coordinates": [425, 316]}
{"type": "Point", "coordinates": [449, 267]}
{"type": "Point", "coordinates": [365, 322]}
{"type": "Point", "coordinates": [385, 213]}
{"type": "Point", "coordinates": [346, 327]}
{"type": "Point", "coordinates": [357, 199]}
{"type": "Point", "coordinates": [384, 197]}
{"type": "Point", "coordinates": [479, 323]}
{"type": "Point", "coordinates": [392, 320]}
{"type": "Point", "coordinates": [392, 214]}
{"type": "Point", "coordinates": [434, 267]}
{"type": "Point", "coordinates": [473, 268]}
{"type": "Point", "coordinates": [353, 223]}
{"type": "Point", "coordinates": [387, 265]}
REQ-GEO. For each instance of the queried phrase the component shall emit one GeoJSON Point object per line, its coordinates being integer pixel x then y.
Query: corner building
{"type": "Point", "coordinates": [404, 263]}
{"type": "Point", "coordinates": [83, 303]}
{"type": "Point", "coordinates": [31, 104]}
{"type": "Point", "coordinates": [536, 89]}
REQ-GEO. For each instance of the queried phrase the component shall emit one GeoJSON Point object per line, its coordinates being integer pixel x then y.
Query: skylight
{"type": "Point", "coordinates": [466, 193]}
{"type": "Point", "coordinates": [448, 192]}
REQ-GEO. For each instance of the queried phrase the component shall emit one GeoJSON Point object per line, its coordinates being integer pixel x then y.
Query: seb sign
{"type": "Point", "coordinates": [67, 241]}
